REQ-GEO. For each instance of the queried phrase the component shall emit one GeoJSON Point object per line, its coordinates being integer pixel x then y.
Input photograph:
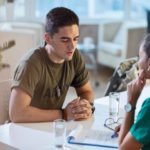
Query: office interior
{"type": "Point", "coordinates": [110, 32]}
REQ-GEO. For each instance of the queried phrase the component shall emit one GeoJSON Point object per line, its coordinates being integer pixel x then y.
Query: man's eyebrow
{"type": "Point", "coordinates": [69, 37]}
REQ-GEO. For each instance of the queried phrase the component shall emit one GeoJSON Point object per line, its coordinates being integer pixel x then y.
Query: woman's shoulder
{"type": "Point", "coordinates": [147, 100]}
{"type": "Point", "coordinates": [145, 106]}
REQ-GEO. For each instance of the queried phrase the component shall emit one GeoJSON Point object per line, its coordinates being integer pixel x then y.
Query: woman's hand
{"type": "Point", "coordinates": [135, 88]}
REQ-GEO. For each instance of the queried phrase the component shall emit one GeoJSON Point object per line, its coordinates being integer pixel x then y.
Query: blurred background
{"type": "Point", "coordinates": [110, 32]}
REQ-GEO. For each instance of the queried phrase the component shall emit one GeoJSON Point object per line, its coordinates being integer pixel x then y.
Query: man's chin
{"type": "Point", "coordinates": [68, 58]}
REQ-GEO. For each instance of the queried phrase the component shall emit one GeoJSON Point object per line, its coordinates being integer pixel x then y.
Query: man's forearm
{"type": "Point", "coordinates": [33, 114]}
{"type": "Point", "coordinates": [88, 96]}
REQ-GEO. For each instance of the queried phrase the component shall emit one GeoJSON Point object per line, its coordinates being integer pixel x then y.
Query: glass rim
{"type": "Point", "coordinates": [59, 120]}
{"type": "Point", "coordinates": [114, 93]}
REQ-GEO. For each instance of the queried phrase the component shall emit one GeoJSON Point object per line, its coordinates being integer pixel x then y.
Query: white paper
{"type": "Point", "coordinates": [76, 133]}
{"type": "Point", "coordinates": [101, 137]}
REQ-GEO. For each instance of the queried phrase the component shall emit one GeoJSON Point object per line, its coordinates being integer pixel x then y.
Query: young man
{"type": "Point", "coordinates": [43, 76]}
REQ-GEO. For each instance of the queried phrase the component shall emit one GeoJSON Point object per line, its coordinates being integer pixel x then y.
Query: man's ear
{"type": "Point", "coordinates": [47, 38]}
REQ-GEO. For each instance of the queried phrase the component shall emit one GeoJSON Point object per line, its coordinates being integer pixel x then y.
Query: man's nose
{"type": "Point", "coordinates": [71, 45]}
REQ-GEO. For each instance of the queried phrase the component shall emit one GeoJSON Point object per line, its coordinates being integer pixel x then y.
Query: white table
{"type": "Point", "coordinates": [39, 136]}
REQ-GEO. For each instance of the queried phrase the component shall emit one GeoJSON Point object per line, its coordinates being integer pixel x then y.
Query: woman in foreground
{"type": "Point", "coordinates": [136, 135]}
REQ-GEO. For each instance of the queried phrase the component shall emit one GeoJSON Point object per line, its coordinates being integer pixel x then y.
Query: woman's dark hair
{"type": "Point", "coordinates": [146, 45]}
{"type": "Point", "coordinates": [60, 17]}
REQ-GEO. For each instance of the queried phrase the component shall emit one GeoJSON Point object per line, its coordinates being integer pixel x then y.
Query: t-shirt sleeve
{"type": "Point", "coordinates": [81, 73]}
{"type": "Point", "coordinates": [141, 128]}
{"type": "Point", "coordinates": [26, 77]}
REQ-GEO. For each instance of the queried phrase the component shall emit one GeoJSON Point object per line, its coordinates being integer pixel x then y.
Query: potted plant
{"type": "Point", "coordinates": [4, 47]}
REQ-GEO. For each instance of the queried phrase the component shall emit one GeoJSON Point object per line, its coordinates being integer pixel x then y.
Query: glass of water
{"type": "Point", "coordinates": [114, 98]}
{"type": "Point", "coordinates": [59, 126]}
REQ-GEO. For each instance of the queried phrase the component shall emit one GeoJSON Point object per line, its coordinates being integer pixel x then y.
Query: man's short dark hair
{"type": "Point", "coordinates": [60, 17]}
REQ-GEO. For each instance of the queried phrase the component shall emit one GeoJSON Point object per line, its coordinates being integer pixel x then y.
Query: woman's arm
{"type": "Point", "coordinates": [126, 140]}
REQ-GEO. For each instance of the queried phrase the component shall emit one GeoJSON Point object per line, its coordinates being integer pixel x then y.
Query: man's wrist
{"type": "Point", "coordinates": [64, 114]}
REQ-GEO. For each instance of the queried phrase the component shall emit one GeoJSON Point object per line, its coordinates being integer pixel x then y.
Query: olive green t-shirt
{"type": "Point", "coordinates": [46, 82]}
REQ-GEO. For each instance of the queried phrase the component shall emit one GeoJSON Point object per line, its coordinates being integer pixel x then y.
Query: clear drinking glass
{"type": "Point", "coordinates": [114, 98]}
{"type": "Point", "coordinates": [59, 132]}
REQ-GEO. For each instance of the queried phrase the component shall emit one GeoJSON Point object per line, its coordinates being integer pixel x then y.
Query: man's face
{"type": "Point", "coordinates": [64, 42]}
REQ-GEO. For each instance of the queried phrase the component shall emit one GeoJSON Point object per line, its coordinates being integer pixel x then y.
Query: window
{"type": "Point", "coordinates": [19, 9]}
{"type": "Point", "coordinates": [80, 7]}
{"type": "Point", "coordinates": [108, 8]}
{"type": "Point", "coordinates": [86, 9]}
{"type": "Point", "coordinates": [138, 8]}
{"type": "Point", "coordinates": [12, 10]}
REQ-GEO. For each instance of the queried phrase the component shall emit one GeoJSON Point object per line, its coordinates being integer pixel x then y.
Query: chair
{"type": "Point", "coordinates": [119, 41]}
{"type": "Point", "coordinates": [25, 38]}
{"type": "Point", "coordinates": [123, 74]}
{"type": "Point", "coordinates": [5, 89]}
{"type": "Point", "coordinates": [38, 28]}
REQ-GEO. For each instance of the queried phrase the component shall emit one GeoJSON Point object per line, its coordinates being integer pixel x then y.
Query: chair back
{"type": "Point", "coordinates": [5, 90]}
{"type": "Point", "coordinates": [123, 74]}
